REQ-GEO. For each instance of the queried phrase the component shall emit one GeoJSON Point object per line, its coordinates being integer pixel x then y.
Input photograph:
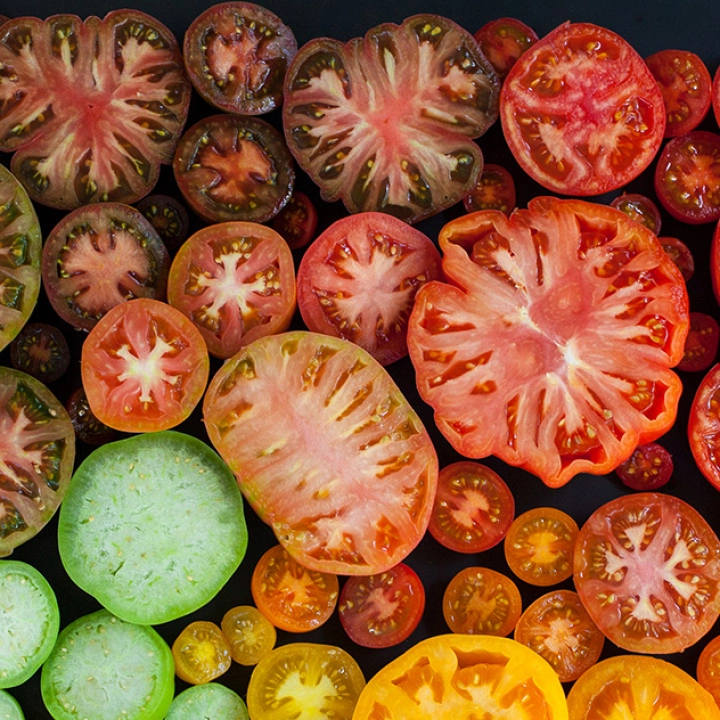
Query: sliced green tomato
{"type": "Point", "coordinates": [153, 526]}
{"type": "Point", "coordinates": [104, 668]}
{"type": "Point", "coordinates": [9, 707]}
{"type": "Point", "coordinates": [29, 622]}
{"type": "Point", "coordinates": [20, 257]}
{"type": "Point", "coordinates": [37, 453]}
{"type": "Point", "coordinates": [211, 700]}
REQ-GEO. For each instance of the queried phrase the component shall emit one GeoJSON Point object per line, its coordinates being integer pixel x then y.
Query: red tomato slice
{"type": "Point", "coordinates": [515, 365]}
{"type": "Point", "coordinates": [682, 256]}
{"type": "Point", "coordinates": [346, 474]}
{"type": "Point", "coordinates": [565, 134]}
{"type": "Point", "coordinates": [495, 190]}
{"type": "Point", "coordinates": [359, 278]}
{"type": "Point", "coordinates": [715, 262]}
{"type": "Point", "coordinates": [236, 282]}
{"type": "Point", "coordinates": [647, 567]}
{"type": "Point", "coordinates": [382, 610]}
{"type": "Point", "coordinates": [701, 344]}
{"type": "Point", "coordinates": [704, 426]}
{"type": "Point", "coordinates": [641, 209]}
{"type": "Point", "coordinates": [648, 468]}
{"type": "Point", "coordinates": [144, 367]}
{"type": "Point", "coordinates": [503, 41]}
{"type": "Point", "coordinates": [297, 221]}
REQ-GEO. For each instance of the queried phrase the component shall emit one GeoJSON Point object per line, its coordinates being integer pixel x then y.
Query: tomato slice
{"type": "Point", "coordinates": [681, 255]}
{"type": "Point", "coordinates": [648, 468]}
{"type": "Point", "coordinates": [293, 597]}
{"type": "Point", "coordinates": [346, 474]}
{"type": "Point", "coordinates": [701, 343]}
{"type": "Point", "coordinates": [169, 218]}
{"type": "Point", "coordinates": [563, 133]}
{"type": "Point", "coordinates": [40, 350]}
{"type": "Point", "coordinates": [646, 567]}
{"type": "Point", "coordinates": [558, 627]}
{"type": "Point", "coordinates": [236, 282]}
{"type": "Point", "coordinates": [686, 87]}
{"type": "Point", "coordinates": [297, 221]}
{"type": "Point", "coordinates": [641, 209]}
{"type": "Point", "coordinates": [88, 428]}
{"type": "Point", "coordinates": [513, 365]}
{"type": "Point", "coordinates": [382, 610]}
{"type": "Point", "coordinates": [473, 507]}
{"type": "Point", "coordinates": [539, 546]}
{"type": "Point", "coordinates": [480, 600]}
{"type": "Point", "coordinates": [707, 670]}
{"type": "Point", "coordinates": [95, 107]}
{"type": "Point", "coordinates": [715, 262]}
{"type": "Point", "coordinates": [386, 122]}
{"type": "Point", "coordinates": [687, 177]}
{"type": "Point", "coordinates": [201, 652]}
{"type": "Point", "coordinates": [704, 426]}
{"type": "Point", "coordinates": [359, 278]}
{"type": "Point", "coordinates": [144, 367]}
{"type": "Point", "coordinates": [250, 634]}
{"type": "Point", "coordinates": [232, 167]}
{"type": "Point", "coordinates": [503, 41]}
{"type": "Point", "coordinates": [494, 190]}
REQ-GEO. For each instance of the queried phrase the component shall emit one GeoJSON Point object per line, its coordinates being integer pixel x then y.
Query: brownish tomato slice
{"type": "Point", "coordinates": [169, 218]}
{"type": "Point", "coordinates": [701, 343]}
{"type": "Point", "coordinates": [231, 167]}
{"type": "Point", "coordinates": [40, 350]}
{"type": "Point", "coordinates": [704, 426]}
{"type": "Point", "coordinates": [386, 122]}
{"type": "Point", "coordinates": [640, 208]}
{"type": "Point", "coordinates": [494, 190]}
{"type": "Point", "coordinates": [503, 41]}
{"type": "Point", "coordinates": [346, 474]}
{"type": "Point", "coordinates": [514, 365]}
{"type": "Point", "coordinates": [297, 221]}
{"type": "Point", "coordinates": [565, 134]}
{"type": "Point", "coordinates": [88, 428]}
{"type": "Point", "coordinates": [93, 108]}
{"type": "Point", "coordinates": [236, 55]}
{"type": "Point", "coordinates": [648, 468]}
{"type": "Point", "coordinates": [647, 567]}
{"type": "Point", "coordinates": [681, 255]}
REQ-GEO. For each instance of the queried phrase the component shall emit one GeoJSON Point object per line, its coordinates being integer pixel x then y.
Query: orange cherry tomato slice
{"type": "Point", "coordinates": [250, 634]}
{"type": "Point", "coordinates": [201, 653]}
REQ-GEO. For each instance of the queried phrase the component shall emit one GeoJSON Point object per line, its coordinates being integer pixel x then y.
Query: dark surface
{"type": "Point", "coordinates": [649, 27]}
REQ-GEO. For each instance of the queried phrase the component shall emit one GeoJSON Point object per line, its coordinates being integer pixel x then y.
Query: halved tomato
{"type": "Point", "coordinates": [648, 468]}
{"type": "Point", "coordinates": [701, 344]}
{"type": "Point", "coordinates": [503, 41]}
{"type": "Point", "coordinates": [640, 208]}
{"type": "Point", "coordinates": [346, 474]}
{"type": "Point", "coordinates": [515, 365]}
{"type": "Point", "coordinates": [297, 221]}
{"type": "Point", "coordinates": [494, 190]}
{"type": "Point", "coordinates": [92, 109]}
{"type": "Point", "coordinates": [563, 132]}
{"type": "Point", "coordinates": [386, 122]}
{"type": "Point", "coordinates": [201, 652]}
{"type": "Point", "coordinates": [647, 567]}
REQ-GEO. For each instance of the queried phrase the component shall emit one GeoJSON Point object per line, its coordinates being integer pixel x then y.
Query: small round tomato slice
{"type": "Point", "coordinates": [480, 600]}
{"type": "Point", "coordinates": [144, 367]}
{"type": "Point", "coordinates": [232, 167]}
{"type": "Point", "coordinates": [701, 344]}
{"type": "Point", "coordinates": [40, 350]}
{"type": "Point", "coordinates": [704, 426]}
{"type": "Point", "coordinates": [201, 652]}
{"type": "Point", "coordinates": [558, 627]}
{"type": "Point", "coordinates": [236, 282]}
{"type": "Point", "coordinates": [382, 610]}
{"type": "Point", "coordinates": [169, 218]}
{"type": "Point", "coordinates": [250, 634]}
{"type": "Point", "coordinates": [539, 546]}
{"type": "Point", "coordinates": [681, 255]}
{"type": "Point", "coordinates": [87, 427]}
{"type": "Point", "coordinates": [687, 177]}
{"type": "Point", "coordinates": [686, 87]}
{"type": "Point", "coordinates": [503, 41]}
{"type": "Point", "coordinates": [715, 262]}
{"type": "Point", "coordinates": [290, 595]}
{"type": "Point", "coordinates": [648, 468]}
{"type": "Point", "coordinates": [297, 221]}
{"type": "Point", "coordinates": [707, 669]}
{"type": "Point", "coordinates": [473, 507]}
{"type": "Point", "coordinates": [641, 209]}
{"type": "Point", "coordinates": [495, 190]}
{"type": "Point", "coordinates": [646, 567]}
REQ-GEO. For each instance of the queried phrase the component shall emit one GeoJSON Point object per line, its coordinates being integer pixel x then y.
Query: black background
{"type": "Point", "coordinates": [649, 27]}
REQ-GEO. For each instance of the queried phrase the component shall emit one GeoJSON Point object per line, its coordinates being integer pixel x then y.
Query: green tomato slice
{"type": "Point", "coordinates": [9, 707]}
{"type": "Point", "coordinates": [211, 700]}
{"type": "Point", "coordinates": [105, 668]}
{"type": "Point", "coordinates": [152, 526]}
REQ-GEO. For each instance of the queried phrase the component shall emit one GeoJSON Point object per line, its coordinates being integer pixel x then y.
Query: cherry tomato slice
{"type": "Point", "coordinates": [473, 507]}
{"type": "Point", "coordinates": [250, 634]}
{"type": "Point", "coordinates": [715, 262]}
{"type": "Point", "coordinates": [382, 610]}
{"type": "Point", "coordinates": [201, 653]}
{"type": "Point", "coordinates": [641, 209]}
{"type": "Point", "coordinates": [701, 343]}
{"type": "Point", "coordinates": [495, 190]}
{"type": "Point", "coordinates": [707, 669]}
{"type": "Point", "coordinates": [681, 255]}
{"type": "Point", "coordinates": [40, 350]}
{"type": "Point", "coordinates": [503, 41]}
{"type": "Point", "coordinates": [480, 600]}
{"type": "Point", "coordinates": [86, 424]}
{"type": "Point", "coordinates": [539, 546]}
{"type": "Point", "coordinates": [704, 426]}
{"type": "Point", "coordinates": [648, 468]}
{"type": "Point", "coordinates": [169, 218]}
{"type": "Point", "coordinates": [297, 221]}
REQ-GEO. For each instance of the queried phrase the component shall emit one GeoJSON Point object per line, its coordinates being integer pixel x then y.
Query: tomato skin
{"type": "Point", "coordinates": [648, 468]}
{"type": "Point", "coordinates": [704, 426]}
{"type": "Point", "coordinates": [701, 343]}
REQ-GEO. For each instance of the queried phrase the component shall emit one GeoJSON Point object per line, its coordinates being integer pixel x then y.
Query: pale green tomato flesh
{"type": "Point", "coordinates": [208, 701]}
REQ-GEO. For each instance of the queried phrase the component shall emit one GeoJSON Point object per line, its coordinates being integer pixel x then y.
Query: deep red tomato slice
{"type": "Point", "coordinates": [563, 133]}
{"type": "Point", "coordinates": [503, 41]}
{"type": "Point", "coordinates": [687, 177]}
{"type": "Point", "coordinates": [169, 218]}
{"type": "Point", "coordinates": [704, 426]}
{"type": "Point", "coordinates": [715, 262]}
{"type": "Point", "coordinates": [236, 282]}
{"type": "Point", "coordinates": [640, 208]}
{"type": "Point", "coordinates": [236, 55]}
{"type": "Point", "coordinates": [144, 367]}
{"type": "Point", "coordinates": [473, 507]}
{"type": "Point", "coordinates": [514, 365]}
{"type": "Point", "coordinates": [681, 255]}
{"type": "Point", "coordinates": [232, 167]}
{"type": "Point", "coordinates": [386, 122]}
{"type": "Point", "coordinates": [686, 87]}
{"type": "Point", "coordinates": [647, 567]}
{"type": "Point", "coordinates": [701, 344]}
{"type": "Point", "coordinates": [346, 474]}
{"type": "Point", "coordinates": [648, 468]}
{"type": "Point", "coordinates": [382, 610]}
{"type": "Point", "coordinates": [359, 278]}
{"type": "Point", "coordinates": [95, 107]}
{"type": "Point", "coordinates": [494, 190]}
{"type": "Point", "coordinates": [297, 221]}
{"type": "Point", "coordinates": [40, 350]}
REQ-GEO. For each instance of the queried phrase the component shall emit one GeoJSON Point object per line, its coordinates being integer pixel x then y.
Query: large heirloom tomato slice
{"type": "Point", "coordinates": [581, 111]}
{"type": "Point", "coordinates": [386, 122]}
{"type": "Point", "coordinates": [551, 341]}
{"type": "Point", "coordinates": [646, 568]}
{"type": "Point", "coordinates": [91, 109]}
{"type": "Point", "coordinates": [326, 449]}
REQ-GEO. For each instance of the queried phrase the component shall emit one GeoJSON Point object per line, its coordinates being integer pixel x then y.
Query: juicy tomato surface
{"type": "Point", "coordinates": [648, 468]}
{"type": "Point", "coordinates": [250, 634]}
{"type": "Point", "coordinates": [514, 364]}
{"type": "Point", "coordinates": [201, 652]}
{"type": "Point", "coordinates": [646, 567]}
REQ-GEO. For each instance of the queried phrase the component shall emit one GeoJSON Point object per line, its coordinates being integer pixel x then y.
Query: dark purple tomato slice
{"type": "Point", "coordinates": [230, 167]}
{"type": "Point", "coordinates": [701, 343]}
{"type": "Point", "coordinates": [169, 218]}
{"type": "Point", "coordinates": [37, 452]}
{"type": "Point", "coordinates": [680, 254]}
{"type": "Point", "coordinates": [503, 41]}
{"type": "Point", "coordinates": [297, 221]}
{"type": "Point", "coordinates": [99, 256]}
{"type": "Point", "coordinates": [40, 350]}
{"type": "Point", "coordinates": [236, 55]}
{"type": "Point", "coordinates": [648, 468]}
{"type": "Point", "coordinates": [88, 428]}
{"type": "Point", "coordinates": [640, 208]}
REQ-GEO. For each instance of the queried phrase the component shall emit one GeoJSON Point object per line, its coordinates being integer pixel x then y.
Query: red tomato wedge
{"type": "Point", "coordinates": [550, 345]}
{"type": "Point", "coordinates": [345, 474]}
{"type": "Point", "coordinates": [566, 134]}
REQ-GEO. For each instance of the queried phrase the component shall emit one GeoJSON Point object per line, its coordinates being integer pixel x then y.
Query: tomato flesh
{"type": "Point", "coordinates": [250, 634]}
{"type": "Point", "coordinates": [503, 41]}
{"type": "Point", "coordinates": [648, 468]}
{"type": "Point", "coordinates": [704, 426]}
{"type": "Point", "coordinates": [701, 344]}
